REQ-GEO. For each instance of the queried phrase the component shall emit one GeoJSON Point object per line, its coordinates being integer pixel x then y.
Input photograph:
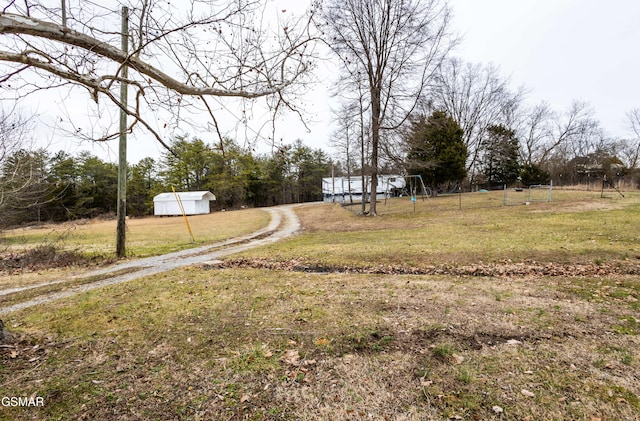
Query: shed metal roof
{"type": "Point", "coordinates": [185, 196]}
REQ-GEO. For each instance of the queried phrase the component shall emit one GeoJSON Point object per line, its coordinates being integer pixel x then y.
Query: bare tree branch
{"type": "Point", "coordinates": [393, 49]}
{"type": "Point", "coordinates": [181, 53]}
{"type": "Point", "coordinates": [633, 118]}
{"type": "Point", "coordinates": [476, 96]}
{"type": "Point", "coordinates": [28, 26]}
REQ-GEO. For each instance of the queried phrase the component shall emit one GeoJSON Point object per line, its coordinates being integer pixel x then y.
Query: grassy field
{"type": "Point", "coordinates": [145, 236]}
{"type": "Point", "coordinates": [329, 325]}
{"type": "Point", "coordinates": [92, 243]}
{"type": "Point", "coordinates": [577, 227]}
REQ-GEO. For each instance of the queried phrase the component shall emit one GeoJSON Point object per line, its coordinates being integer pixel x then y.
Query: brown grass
{"type": "Point", "coordinates": [275, 344]}
{"type": "Point", "coordinates": [576, 228]}
{"type": "Point", "coordinates": [248, 344]}
{"type": "Point", "coordinates": [145, 236]}
{"type": "Point", "coordinates": [36, 255]}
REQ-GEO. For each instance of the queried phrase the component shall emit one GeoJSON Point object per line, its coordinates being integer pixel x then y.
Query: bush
{"type": "Point", "coordinates": [42, 257]}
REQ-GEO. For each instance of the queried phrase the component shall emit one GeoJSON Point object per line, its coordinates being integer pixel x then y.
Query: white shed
{"type": "Point", "coordinates": [194, 203]}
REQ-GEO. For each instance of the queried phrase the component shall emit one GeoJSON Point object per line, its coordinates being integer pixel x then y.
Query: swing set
{"type": "Point", "coordinates": [416, 187]}
{"type": "Point", "coordinates": [608, 183]}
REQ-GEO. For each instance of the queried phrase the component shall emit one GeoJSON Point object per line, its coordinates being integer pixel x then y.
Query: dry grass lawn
{"type": "Point", "coordinates": [271, 341]}
{"type": "Point", "coordinates": [145, 236]}
{"type": "Point", "coordinates": [92, 243]}
{"type": "Point", "coordinates": [252, 344]}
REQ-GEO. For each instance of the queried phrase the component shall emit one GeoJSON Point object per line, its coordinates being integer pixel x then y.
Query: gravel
{"type": "Point", "coordinates": [284, 223]}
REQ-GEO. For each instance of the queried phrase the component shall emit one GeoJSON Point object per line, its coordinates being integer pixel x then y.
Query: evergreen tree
{"type": "Point", "coordinates": [188, 167]}
{"type": "Point", "coordinates": [276, 180]}
{"type": "Point", "coordinates": [501, 151]}
{"type": "Point", "coordinates": [234, 176]}
{"type": "Point", "coordinates": [532, 174]}
{"type": "Point", "coordinates": [142, 186]}
{"type": "Point", "coordinates": [436, 149]}
{"type": "Point", "coordinates": [308, 166]}
{"type": "Point", "coordinates": [97, 187]}
{"type": "Point", "coordinates": [64, 177]}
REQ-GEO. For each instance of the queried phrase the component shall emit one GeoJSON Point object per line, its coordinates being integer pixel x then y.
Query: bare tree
{"type": "Point", "coordinates": [577, 128]}
{"type": "Point", "coordinates": [544, 132]}
{"type": "Point", "coordinates": [15, 127]}
{"type": "Point", "coordinates": [477, 97]}
{"type": "Point", "coordinates": [345, 138]}
{"type": "Point", "coordinates": [184, 56]}
{"type": "Point", "coordinates": [574, 128]}
{"type": "Point", "coordinates": [22, 172]}
{"type": "Point", "coordinates": [633, 148]}
{"type": "Point", "coordinates": [534, 130]}
{"type": "Point", "coordinates": [393, 47]}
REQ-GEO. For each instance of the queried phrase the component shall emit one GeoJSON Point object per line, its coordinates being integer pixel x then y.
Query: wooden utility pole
{"type": "Point", "coordinates": [64, 13]}
{"type": "Point", "coordinates": [122, 146]}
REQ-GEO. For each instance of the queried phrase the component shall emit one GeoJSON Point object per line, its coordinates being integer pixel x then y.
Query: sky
{"type": "Point", "coordinates": [558, 50]}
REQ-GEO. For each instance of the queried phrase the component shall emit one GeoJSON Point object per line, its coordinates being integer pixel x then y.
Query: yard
{"type": "Point", "coordinates": [458, 308]}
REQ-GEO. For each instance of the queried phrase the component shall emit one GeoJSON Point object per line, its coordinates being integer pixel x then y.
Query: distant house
{"type": "Point", "coordinates": [339, 189]}
{"type": "Point", "coordinates": [193, 202]}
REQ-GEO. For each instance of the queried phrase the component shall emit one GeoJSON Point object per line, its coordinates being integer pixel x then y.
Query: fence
{"type": "Point", "coordinates": [533, 194]}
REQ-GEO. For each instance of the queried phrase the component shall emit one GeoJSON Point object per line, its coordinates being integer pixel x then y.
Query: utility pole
{"type": "Point", "coordinates": [64, 13]}
{"type": "Point", "coordinates": [122, 146]}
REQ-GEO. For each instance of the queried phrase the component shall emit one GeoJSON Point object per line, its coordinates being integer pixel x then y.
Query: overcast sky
{"type": "Point", "coordinates": [559, 50]}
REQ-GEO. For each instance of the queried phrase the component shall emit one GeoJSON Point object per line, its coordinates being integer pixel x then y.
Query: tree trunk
{"type": "Point", "coordinates": [375, 140]}
{"type": "Point", "coordinates": [5, 336]}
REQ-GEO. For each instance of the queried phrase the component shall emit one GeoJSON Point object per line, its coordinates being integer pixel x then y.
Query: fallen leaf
{"type": "Point", "coordinates": [291, 357]}
{"type": "Point", "coordinates": [527, 393]}
{"type": "Point", "coordinates": [245, 398]}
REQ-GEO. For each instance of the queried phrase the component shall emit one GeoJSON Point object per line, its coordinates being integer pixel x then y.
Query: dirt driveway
{"type": "Point", "coordinates": [284, 223]}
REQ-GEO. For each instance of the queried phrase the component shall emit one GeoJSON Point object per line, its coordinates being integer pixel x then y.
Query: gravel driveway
{"type": "Point", "coordinates": [283, 223]}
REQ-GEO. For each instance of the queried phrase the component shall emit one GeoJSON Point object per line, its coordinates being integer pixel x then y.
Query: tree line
{"type": "Point", "coordinates": [40, 186]}
{"type": "Point", "coordinates": [438, 153]}
{"type": "Point", "coordinates": [407, 103]}
{"type": "Point", "coordinates": [397, 82]}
